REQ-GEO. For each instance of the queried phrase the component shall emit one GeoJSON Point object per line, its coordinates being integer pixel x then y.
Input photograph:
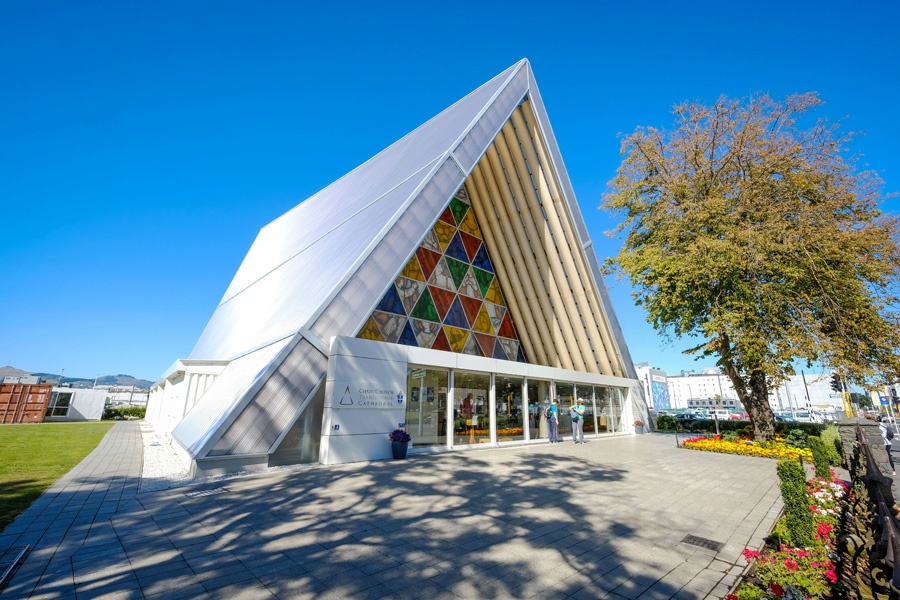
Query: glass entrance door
{"type": "Point", "coordinates": [471, 413]}
{"type": "Point", "coordinates": [426, 406]}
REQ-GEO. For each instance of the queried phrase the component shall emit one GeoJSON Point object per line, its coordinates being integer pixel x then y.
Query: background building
{"type": "Point", "coordinates": [690, 389]}
{"type": "Point", "coordinates": [655, 385]}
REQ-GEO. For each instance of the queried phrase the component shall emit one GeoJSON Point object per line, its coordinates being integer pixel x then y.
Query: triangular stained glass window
{"type": "Point", "coordinates": [471, 244]}
{"type": "Point", "coordinates": [391, 326]}
{"type": "Point", "coordinates": [409, 291]}
{"type": "Point", "coordinates": [391, 302]}
{"type": "Point", "coordinates": [456, 249]}
{"type": "Point", "coordinates": [425, 332]}
{"type": "Point", "coordinates": [506, 328]}
{"type": "Point", "coordinates": [459, 210]}
{"type": "Point", "coordinates": [469, 286]}
{"type": "Point", "coordinates": [493, 294]}
{"type": "Point", "coordinates": [456, 337]}
{"type": "Point", "coordinates": [370, 331]}
{"type": "Point", "coordinates": [483, 322]}
{"type": "Point", "coordinates": [469, 225]}
{"type": "Point", "coordinates": [444, 233]}
{"type": "Point", "coordinates": [431, 242]}
{"type": "Point", "coordinates": [496, 314]}
{"type": "Point", "coordinates": [440, 342]}
{"type": "Point", "coordinates": [471, 347]}
{"type": "Point", "coordinates": [486, 343]}
{"type": "Point", "coordinates": [442, 276]}
{"type": "Point", "coordinates": [413, 270]}
{"type": "Point", "coordinates": [428, 260]}
{"type": "Point", "coordinates": [482, 261]}
{"type": "Point", "coordinates": [425, 309]}
{"type": "Point", "coordinates": [457, 270]}
{"type": "Point", "coordinates": [484, 279]}
{"type": "Point", "coordinates": [408, 338]}
{"type": "Point", "coordinates": [498, 351]}
{"type": "Point", "coordinates": [442, 300]}
{"type": "Point", "coordinates": [456, 317]}
{"type": "Point", "coordinates": [510, 347]}
{"type": "Point", "coordinates": [463, 195]}
{"type": "Point", "coordinates": [471, 306]}
{"type": "Point", "coordinates": [447, 217]}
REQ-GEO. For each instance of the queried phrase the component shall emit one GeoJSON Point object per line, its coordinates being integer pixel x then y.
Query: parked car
{"type": "Point", "coordinates": [689, 417]}
{"type": "Point", "coordinates": [786, 419]}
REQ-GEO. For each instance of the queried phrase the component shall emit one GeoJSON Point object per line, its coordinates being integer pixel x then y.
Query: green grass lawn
{"type": "Point", "coordinates": [33, 456]}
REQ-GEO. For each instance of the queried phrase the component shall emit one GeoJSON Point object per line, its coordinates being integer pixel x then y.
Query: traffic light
{"type": "Point", "coordinates": [835, 382]}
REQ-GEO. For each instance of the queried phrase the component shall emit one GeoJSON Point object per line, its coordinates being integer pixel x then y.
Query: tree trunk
{"type": "Point", "coordinates": [752, 392]}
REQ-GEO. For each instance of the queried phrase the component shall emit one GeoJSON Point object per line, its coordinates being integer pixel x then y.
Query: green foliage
{"type": "Point", "coordinates": [124, 412]}
{"type": "Point", "coordinates": [797, 438]}
{"type": "Point", "coordinates": [750, 593]}
{"type": "Point", "coordinates": [666, 423]}
{"type": "Point", "coordinates": [804, 266]}
{"type": "Point", "coordinates": [820, 457]}
{"type": "Point", "coordinates": [784, 428]}
{"type": "Point", "coordinates": [731, 436]}
{"type": "Point", "coordinates": [831, 442]}
{"type": "Point", "coordinates": [798, 517]}
{"type": "Point", "coordinates": [780, 534]}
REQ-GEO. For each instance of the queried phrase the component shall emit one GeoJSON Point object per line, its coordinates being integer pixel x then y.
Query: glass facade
{"type": "Point", "coordinates": [471, 413]}
{"type": "Point", "coordinates": [59, 404]}
{"type": "Point", "coordinates": [565, 400]}
{"type": "Point", "coordinates": [539, 393]}
{"type": "Point", "coordinates": [510, 409]}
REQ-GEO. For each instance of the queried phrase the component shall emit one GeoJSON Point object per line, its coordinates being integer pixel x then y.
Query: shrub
{"type": "Point", "coordinates": [666, 423]}
{"type": "Point", "coordinates": [797, 438]}
{"type": "Point", "coordinates": [731, 436]}
{"type": "Point", "coordinates": [798, 517]}
{"type": "Point", "coordinates": [831, 443]}
{"type": "Point", "coordinates": [820, 457]}
{"type": "Point", "coordinates": [124, 412]}
{"type": "Point", "coordinates": [780, 534]}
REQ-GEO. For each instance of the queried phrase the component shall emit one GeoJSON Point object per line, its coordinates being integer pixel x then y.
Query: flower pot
{"type": "Point", "coordinates": [399, 450]}
{"type": "Point", "coordinates": [639, 429]}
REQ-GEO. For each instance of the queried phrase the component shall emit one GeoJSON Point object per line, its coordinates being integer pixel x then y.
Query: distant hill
{"type": "Point", "coordinates": [81, 382]}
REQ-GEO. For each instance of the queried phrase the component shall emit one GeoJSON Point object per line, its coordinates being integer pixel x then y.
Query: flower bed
{"type": "Point", "coordinates": [777, 449]}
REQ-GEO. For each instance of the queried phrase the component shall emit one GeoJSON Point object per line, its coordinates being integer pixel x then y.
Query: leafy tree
{"type": "Point", "coordinates": [761, 240]}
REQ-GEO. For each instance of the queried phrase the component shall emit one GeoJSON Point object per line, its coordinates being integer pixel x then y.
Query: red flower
{"type": "Point", "coordinates": [831, 575]}
{"type": "Point", "coordinates": [750, 554]}
{"type": "Point", "coordinates": [791, 565]}
{"type": "Point", "coordinates": [822, 530]}
{"type": "Point", "coordinates": [814, 565]}
{"type": "Point", "coordinates": [776, 589]}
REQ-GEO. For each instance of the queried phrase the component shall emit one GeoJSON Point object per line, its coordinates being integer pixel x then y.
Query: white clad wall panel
{"type": "Point", "coordinates": [354, 303]}
{"type": "Point", "coordinates": [273, 409]}
{"type": "Point", "coordinates": [284, 300]}
{"type": "Point", "coordinates": [472, 147]}
{"type": "Point", "coordinates": [213, 409]}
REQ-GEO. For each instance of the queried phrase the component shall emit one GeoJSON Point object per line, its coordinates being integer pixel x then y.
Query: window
{"type": "Point", "coordinates": [59, 404]}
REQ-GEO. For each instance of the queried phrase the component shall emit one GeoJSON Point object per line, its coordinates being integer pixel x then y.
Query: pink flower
{"type": "Point", "coordinates": [814, 565]}
{"type": "Point", "coordinates": [802, 553]}
{"type": "Point", "coordinates": [822, 530]}
{"type": "Point", "coordinates": [831, 575]}
{"type": "Point", "coordinates": [750, 554]}
{"type": "Point", "coordinates": [791, 565]}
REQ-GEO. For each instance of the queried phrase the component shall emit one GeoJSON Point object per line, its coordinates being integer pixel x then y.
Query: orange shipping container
{"type": "Point", "coordinates": [23, 403]}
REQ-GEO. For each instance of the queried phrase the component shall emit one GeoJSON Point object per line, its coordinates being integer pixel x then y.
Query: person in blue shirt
{"type": "Point", "coordinates": [577, 413]}
{"type": "Point", "coordinates": [553, 422]}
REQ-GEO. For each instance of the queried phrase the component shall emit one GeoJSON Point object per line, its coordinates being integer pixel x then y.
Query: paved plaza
{"type": "Point", "coordinates": [607, 519]}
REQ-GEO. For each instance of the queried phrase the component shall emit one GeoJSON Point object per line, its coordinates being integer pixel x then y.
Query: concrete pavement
{"type": "Point", "coordinates": [607, 519]}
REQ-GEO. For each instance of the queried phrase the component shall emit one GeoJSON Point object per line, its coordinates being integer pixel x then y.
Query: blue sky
{"type": "Point", "coordinates": [143, 145]}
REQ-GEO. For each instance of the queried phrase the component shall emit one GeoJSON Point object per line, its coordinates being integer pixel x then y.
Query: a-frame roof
{"type": "Point", "coordinates": [318, 270]}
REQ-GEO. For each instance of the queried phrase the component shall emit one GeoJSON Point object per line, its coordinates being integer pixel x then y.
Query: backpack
{"type": "Point", "coordinates": [890, 433]}
{"type": "Point", "coordinates": [547, 412]}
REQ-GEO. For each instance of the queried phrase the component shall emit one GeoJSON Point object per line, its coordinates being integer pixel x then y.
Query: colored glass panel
{"type": "Point", "coordinates": [483, 322]}
{"type": "Point", "coordinates": [425, 332]}
{"type": "Point", "coordinates": [493, 294]}
{"type": "Point", "coordinates": [442, 276]}
{"type": "Point", "coordinates": [471, 243]}
{"type": "Point", "coordinates": [471, 347]}
{"type": "Point", "coordinates": [486, 343]}
{"type": "Point", "coordinates": [482, 261]}
{"type": "Point", "coordinates": [470, 225]}
{"type": "Point", "coordinates": [463, 195]}
{"type": "Point", "coordinates": [440, 341]}
{"type": "Point", "coordinates": [484, 279]}
{"type": "Point", "coordinates": [457, 270]}
{"type": "Point", "coordinates": [370, 331]}
{"type": "Point", "coordinates": [456, 249]}
{"type": "Point", "coordinates": [459, 210]}
{"type": "Point", "coordinates": [425, 309]}
{"type": "Point", "coordinates": [520, 357]}
{"type": "Point", "coordinates": [391, 326]}
{"type": "Point", "coordinates": [469, 286]}
{"type": "Point", "coordinates": [409, 291]}
{"type": "Point", "coordinates": [506, 328]}
{"type": "Point", "coordinates": [471, 306]}
{"type": "Point", "coordinates": [442, 300]}
{"type": "Point", "coordinates": [456, 337]}
{"type": "Point", "coordinates": [431, 242]}
{"type": "Point", "coordinates": [408, 338]}
{"type": "Point", "coordinates": [510, 347]}
{"type": "Point", "coordinates": [456, 316]}
{"type": "Point", "coordinates": [447, 217]}
{"type": "Point", "coordinates": [413, 270]}
{"type": "Point", "coordinates": [428, 260]}
{"type": "Point", "coordinates": [496, 314]}
{"type": "Point", "coordinates": [444, 233]}
{"type": "Point", "coordinates": [498, 351]}
{"type": "Point", "coordinates": [391, 302]}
